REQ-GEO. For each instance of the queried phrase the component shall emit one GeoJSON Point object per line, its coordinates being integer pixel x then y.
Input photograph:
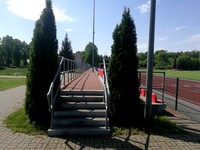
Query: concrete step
{"type": "Point", "coordinates": [81, 98]}
{"type": "Point", "coordinates": [81, 113]}
{"type": "Point", "coordinates": [60, 122]}
{"type": "Point", "coordinates": [84, 92]}
{"type": "Point", "coordinates": [63, 132]}
{"type": "Point", "coordinates": [81, 105]}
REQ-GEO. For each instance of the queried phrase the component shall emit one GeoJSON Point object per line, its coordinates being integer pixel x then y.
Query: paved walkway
{"type": "Point", "coordinates": [87, 81]}
{"type": "Point", "coordinates": [12, 99]}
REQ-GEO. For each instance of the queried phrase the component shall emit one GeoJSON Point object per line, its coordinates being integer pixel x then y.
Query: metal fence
{"type": "Point", "coordinates": [187, 90]}
{"type": "Point", "coordinates": [181, 94]}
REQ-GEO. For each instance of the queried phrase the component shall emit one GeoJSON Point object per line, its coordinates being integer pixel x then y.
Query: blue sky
{"type": "Point", "coordinates": [177, 22]}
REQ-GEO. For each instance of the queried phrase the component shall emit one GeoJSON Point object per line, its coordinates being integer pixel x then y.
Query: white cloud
{"type": "Point", "coordinates": [31, 10]}
{"type": "Point", "coordinates": [144, 8]}
{"type": "Point", "coordinates": [194, 38]}
{"type": "Point", "coordinates": [142, 47]}
{"type": "Point", "coordinates": [161, 39]}
{"type": "Point", "coordinates": [28, 9]}
{"type": "Point", "coordinates": [68, 30]}
{"type": "Point", "coordinates": [60, 15]}
{"type": "Point", "coordinates": [180, 28]}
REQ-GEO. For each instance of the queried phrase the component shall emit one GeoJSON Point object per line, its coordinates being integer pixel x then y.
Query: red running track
{"type": "Point", "coordinates": [188, 90]}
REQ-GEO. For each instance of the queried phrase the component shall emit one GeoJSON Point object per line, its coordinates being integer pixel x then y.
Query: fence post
{"type": "Point", "coordinates": [64, 72]}
{"type": "Point", "coordinates": [176, 100]}
{"type": "Point", "coordinates": [67, 71]}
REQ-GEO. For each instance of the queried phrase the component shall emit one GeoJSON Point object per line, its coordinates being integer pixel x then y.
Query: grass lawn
{"type": "Point", "coordinates": [19, 122]}
{"type": "Point", "coordinates": [13, 71]}
{"type": "Point", "coordinates": [161, 125]}
{"type": "Point", "coordinates": [193, 75]}
{"type": "Point", "coordinates": [7, 83]}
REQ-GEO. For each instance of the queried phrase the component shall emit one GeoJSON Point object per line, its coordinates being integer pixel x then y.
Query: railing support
{"type": "Point", "coordinates": [64, 72]}
{"type": "Point", "coordinates": [176, 100]}
{"type": "Point", "coordinates": [54, 91]}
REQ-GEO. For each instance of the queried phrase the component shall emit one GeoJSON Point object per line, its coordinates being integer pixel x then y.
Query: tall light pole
{"type": "Point", "coordinates": [93, 37]}
{"type": "Point", "coordinates": [149, 77]}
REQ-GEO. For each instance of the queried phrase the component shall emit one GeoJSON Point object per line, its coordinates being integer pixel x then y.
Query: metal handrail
{"type": "Point", "coordinates": [106, 92]}
{"type": "Point", "coordinates": [71, 71]}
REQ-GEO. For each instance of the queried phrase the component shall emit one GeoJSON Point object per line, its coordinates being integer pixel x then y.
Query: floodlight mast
{"type": "Point", "coordinates": [93, 37]}
{"type": "Point", "coordinates": [149, 77]}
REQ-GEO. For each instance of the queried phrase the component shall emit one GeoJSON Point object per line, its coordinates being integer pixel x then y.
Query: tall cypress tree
{"type": "Point", "coordinates": [66, 49]}
{"type": "Point", "coordinates": [123, 77]}
{"type": "Point", "coordinates": [42, 66]}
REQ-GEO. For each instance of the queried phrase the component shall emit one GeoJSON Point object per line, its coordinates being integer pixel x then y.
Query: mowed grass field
{"type": "Point", "coordinates": [11, 82]}
{"type": "Point", "coordinates": [7, 83]}
{"type": "Point", "coordinates": [192, 75]}
{"type": "Point", "coordinates": [13, 71]}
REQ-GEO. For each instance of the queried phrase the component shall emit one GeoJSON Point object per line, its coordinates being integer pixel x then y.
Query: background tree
{"type": "Point", "coordinates": [66, 49]}
{"type": "Point", "coordinates": [161, 60]}
{"type": "Point", "coordinates": [173, 60]}
{"type": "Point", "coordinates": [7, 47]}
{"type": "Point", "coordinates": [25, 53]}
{"type": "Point", "coordinates": [88, 54]}
{"type": "Point", "coordinates": [13, 52]}
{"type": "Point", "coordinates": [123, 75]}
{"type": "Point", "coordinates": [142, 57]}
{"type": "Point", "coordinates": [16, 52]}
{"type": "Point", "coordinates": [43, 66]}
{"type": "Point", "coordinates": [184, 62]}
{"type": "Point", "coordinates": [81, 54]}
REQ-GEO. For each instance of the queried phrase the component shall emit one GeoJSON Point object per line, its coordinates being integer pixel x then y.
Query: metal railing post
{"type": "Point", "coordinates": [52, 111]}
{"type": "Point", "coordinates": [163, 87]}
{"type": "Point", "coordinates": [64, 72]}
{"type": "Point", "coordinates": [176, 100]}
{"type": "Point", "coordinates": [67, 71]}
{"type": "Point", "coordinates": [71, 70]}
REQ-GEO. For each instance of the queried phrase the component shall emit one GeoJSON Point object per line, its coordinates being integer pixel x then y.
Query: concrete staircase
{"type": "Point", "coordinates": [82, 113]}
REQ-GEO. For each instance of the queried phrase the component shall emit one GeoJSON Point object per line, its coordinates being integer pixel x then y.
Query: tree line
{"type": "Point", "coordinates": [163, 59]}
{"type": "Point", "coordinates": [13, 52]}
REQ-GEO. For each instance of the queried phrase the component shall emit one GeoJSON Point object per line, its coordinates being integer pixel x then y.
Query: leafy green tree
{"type": "Point", "coordinates": [42, 67]}
{"type": "Point", "coordinates": [66, 49]}
{"type": "Point", "coordinates": [81, 54]}
{"type": "Point", "coordinates": [184, 62]}
{"type": "Point", "coordinates": [142, 57]}
{"type": "Point", "coordinates": [12, 51]}
{"type": "Point", "coordinates": [194, 64]}
{"type": "Point", "coordinates": [7, 48]}
{"type": "Point", "coordinates": [16, 52]}
{"type": "Point", "coordinates": [123, 76]}
{"type": "Point", "coordinates": [161, 60]}
{"type": "Point", "coordinates": [25, 53]}
{"type": "Point", "coordinates": [88, 54]}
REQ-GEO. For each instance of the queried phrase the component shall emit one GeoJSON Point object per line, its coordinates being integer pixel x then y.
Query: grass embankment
{"type": "Point", "coordinates": [161, 125]}
{"type": "Point", "coordinates": [19, 122]}
{"type": "Point", "coordinates": [7, 83]}
{"type": "Point", "coordinates": [13, 71]}
{"type": "Point", "coordinates": [192, 75]}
